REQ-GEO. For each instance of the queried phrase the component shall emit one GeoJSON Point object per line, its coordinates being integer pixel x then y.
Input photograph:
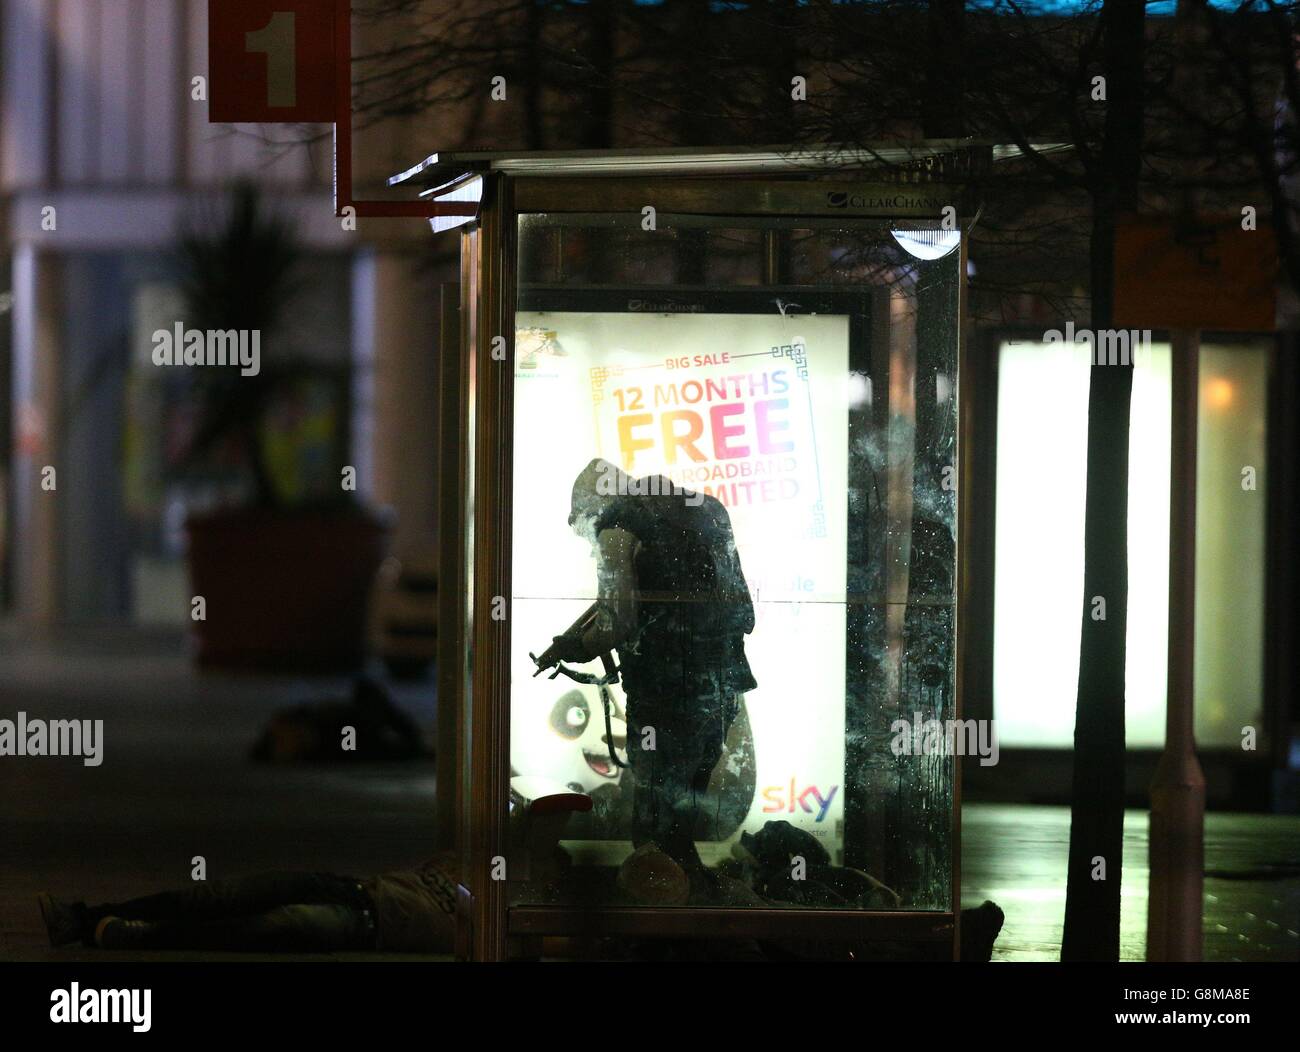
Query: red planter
{"type": "Point", "coordinates": [284, 590]}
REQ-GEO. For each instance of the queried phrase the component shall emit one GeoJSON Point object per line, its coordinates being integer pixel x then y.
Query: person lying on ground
{"type": "Point", "coordinates": [408, 911]}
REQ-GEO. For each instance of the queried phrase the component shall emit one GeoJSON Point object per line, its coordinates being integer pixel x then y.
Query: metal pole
{"type": "Point", "coordinates": [1178, 790]}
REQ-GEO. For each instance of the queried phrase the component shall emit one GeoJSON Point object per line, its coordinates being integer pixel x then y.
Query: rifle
{"type": "Point", "coordinates": [548, 658]}
{"type": "Point", "coordinates": [579, 628]}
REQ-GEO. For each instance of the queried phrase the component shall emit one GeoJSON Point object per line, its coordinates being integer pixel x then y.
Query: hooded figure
{"type": "Point", "coordinates": [674, 603]}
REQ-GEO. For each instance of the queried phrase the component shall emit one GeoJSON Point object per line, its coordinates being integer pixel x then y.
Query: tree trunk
{"type": "Point", "coordinates": [1092, 898]}
{"type": "Point", "coordinates": [603, 29]}
{"type": "Point", "coordinates": [942, 108]}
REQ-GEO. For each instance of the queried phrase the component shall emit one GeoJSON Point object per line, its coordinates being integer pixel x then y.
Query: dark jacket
{"type": "Point", "coordinates": [693, 605]}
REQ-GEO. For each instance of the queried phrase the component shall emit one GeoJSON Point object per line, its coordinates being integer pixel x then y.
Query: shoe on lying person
{"type": "Point", "coordinates": [65, 922]}
{"type": "Point", "coordinates": [117, 933]}
{"type": "Point", "coordinates": [979, 930]}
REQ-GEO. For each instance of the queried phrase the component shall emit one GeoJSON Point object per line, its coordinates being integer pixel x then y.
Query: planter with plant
{"type": "Point", "coordinates": [285, 577]}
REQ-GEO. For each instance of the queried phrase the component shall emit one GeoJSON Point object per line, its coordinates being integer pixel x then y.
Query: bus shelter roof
{"type": "Point", "coordinates": [440, 173]}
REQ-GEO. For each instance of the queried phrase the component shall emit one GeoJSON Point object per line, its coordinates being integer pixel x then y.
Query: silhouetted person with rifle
{"type": "Point", "coordinates": [674, 605]}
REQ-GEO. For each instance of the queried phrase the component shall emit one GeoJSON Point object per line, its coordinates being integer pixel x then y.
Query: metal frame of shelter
{"type": "Point", "coordinates": [915, 182]}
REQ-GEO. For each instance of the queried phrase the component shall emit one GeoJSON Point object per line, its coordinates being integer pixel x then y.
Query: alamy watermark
{"type": "Point", "coordinates": [1109, 346]}
{"type": "Point", "coordinates": [24, 737]}
{"type": "Point", "coordinates": [75, 1005]}
{"type": "Point", "coordinates": [612, 482]}
{"type": "Point", "coordinates": [945, 738]}
{"type": "Point", "coordinates": [182, 346]}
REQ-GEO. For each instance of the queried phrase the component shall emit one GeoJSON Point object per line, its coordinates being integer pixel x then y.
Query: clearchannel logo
{"type": "Point", "coordinates": [848, 199]}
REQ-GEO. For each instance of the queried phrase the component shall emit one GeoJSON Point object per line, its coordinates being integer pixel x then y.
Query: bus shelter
{"type": "Point", "coordinates": [702, 516]}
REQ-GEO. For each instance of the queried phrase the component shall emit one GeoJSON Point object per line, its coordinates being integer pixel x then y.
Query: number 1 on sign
{"type": "Point", "coordinates": [275, 40]}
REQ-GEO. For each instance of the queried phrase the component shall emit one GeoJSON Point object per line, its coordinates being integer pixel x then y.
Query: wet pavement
{"type": "Point", "coordinates": [176, 783]}
{"type": "Point", "coordinates": [1016, 856]}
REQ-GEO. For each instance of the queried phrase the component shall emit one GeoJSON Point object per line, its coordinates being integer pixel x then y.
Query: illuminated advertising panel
{"type": "Point", "coordinates": [750, 409]}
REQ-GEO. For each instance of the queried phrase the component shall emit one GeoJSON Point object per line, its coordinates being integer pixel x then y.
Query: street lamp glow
{"type": "Point", "coordinates": [927, 244]}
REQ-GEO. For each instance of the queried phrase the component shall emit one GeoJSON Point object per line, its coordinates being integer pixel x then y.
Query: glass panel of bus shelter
{"type": "Point", "coordinates": [735, 485]}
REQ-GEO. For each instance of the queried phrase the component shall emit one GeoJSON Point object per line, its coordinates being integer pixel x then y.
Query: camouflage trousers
{"type": "Point", "coordinates": [673, 745]}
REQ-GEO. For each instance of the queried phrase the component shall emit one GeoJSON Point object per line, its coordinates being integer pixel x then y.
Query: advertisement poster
{"type": "Point", "coordinates": [751, 409]}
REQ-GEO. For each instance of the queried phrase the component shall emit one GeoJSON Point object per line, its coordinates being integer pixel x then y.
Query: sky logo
{"type": "Point", "coordinates": [778, 798]}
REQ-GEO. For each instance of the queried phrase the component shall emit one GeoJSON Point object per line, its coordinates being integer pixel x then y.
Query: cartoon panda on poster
{"type": "Point", "coordinates": [567, 745]}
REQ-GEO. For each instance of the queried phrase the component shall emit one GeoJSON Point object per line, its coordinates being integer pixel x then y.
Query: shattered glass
{"type": "Point", "coordinates": [735, 528]}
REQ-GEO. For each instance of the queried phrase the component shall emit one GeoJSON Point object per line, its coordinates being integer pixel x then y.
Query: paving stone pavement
{"type": "Point", "coordinates": [176, 782]}
{"type": "Point", "coordinates": [1016, 856]}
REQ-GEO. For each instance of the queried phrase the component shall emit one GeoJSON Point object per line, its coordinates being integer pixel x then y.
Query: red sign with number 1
{"type": "Point", "coordinates": [271, 60]}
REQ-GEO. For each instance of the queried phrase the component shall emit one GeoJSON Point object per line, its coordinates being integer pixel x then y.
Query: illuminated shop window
{"type": "Point", "coordinates": [1041, 451]}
